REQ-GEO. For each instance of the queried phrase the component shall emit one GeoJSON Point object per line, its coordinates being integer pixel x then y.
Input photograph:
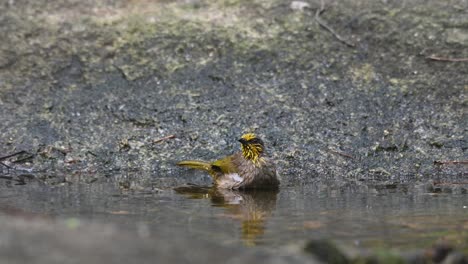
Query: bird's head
{"type": "Point", "coordinates": [252, 147]}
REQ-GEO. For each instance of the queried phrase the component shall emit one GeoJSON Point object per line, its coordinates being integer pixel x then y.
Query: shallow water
{"type": "Point", "coordinates": [351, 214]}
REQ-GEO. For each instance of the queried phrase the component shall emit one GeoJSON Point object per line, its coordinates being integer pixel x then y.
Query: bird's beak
{"type": "Point", "coordinates": [243, 141]}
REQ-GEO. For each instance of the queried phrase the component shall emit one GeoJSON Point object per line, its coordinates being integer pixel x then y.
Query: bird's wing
{"type": "Point", "coordinates": [225, 165]}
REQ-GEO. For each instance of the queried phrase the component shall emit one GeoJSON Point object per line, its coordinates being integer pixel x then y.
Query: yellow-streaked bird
{"type": "Point", "coordinates": [247, 169]}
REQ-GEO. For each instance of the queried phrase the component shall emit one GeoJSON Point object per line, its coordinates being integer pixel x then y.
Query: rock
{"type": "Point", "coordinates": [299, 5]}
{"type": "Point", "coordinates": [439, 252]}
{"type": "Point", "coordinates": [326, 251]}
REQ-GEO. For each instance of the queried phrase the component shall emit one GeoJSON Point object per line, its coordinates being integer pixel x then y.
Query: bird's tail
{"type": "Point", "coordinates": [196, 164]}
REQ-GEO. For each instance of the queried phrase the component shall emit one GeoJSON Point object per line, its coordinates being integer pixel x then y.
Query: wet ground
{"type": "Point", "coordinates": [362, 104]}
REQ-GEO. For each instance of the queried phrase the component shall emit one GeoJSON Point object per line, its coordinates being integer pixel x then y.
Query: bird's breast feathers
{"type": "Point", "coordinates": [234, 177]}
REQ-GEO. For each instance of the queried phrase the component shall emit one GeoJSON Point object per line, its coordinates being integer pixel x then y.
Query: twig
{"type": "Point", "coordinates": [23, 159]}
{"type": "Point", "coordinates": [91, 153]}
{"type": "Point", "coordinates": [433, 57]}
{"type": "Point", "coordinates": [19, 181]}
{"type": "Point", "coordinates": [450, 162]}
{"type": "Point", "coordinates": [327, 27]}
{"type": "Point", "coordinates": [164, 138]}
{"type": "Point", "coordinates": [9, 167]}
{"type": "Point", "coordinates": [9, 156]}
{"type": "Point", "coordinates": [12, 155]}
{"type": "Point", "coordinates": [341, 153]}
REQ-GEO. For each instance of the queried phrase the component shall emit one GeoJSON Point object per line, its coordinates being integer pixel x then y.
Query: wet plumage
{"type": "Point", "coordinates": [249, 168]}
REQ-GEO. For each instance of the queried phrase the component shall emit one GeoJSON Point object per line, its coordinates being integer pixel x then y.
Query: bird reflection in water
{"type": "Point", "coordinates": [252, 208]}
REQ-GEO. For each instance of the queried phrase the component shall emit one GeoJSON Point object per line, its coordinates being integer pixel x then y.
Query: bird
{"type": "Point", "coordinates": [249, 168]}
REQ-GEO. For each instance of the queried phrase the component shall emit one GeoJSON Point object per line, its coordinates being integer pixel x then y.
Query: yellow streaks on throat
{"type": "Point", "coordinates": [252, 152]}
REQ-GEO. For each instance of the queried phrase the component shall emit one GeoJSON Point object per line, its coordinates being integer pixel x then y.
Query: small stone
{"type": "Point", "coordinates": [299, 5]}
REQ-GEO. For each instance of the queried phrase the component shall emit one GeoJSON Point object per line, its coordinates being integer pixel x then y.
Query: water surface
{"type": "Point", "coordinates": [352, 214]}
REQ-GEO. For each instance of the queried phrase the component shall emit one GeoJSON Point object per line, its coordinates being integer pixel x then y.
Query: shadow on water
{"type": "Point", "coordinates": [251, 207]}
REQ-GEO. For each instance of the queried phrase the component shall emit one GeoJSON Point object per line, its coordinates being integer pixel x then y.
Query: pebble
{"type": "Point", "coordinates": [299, 5]}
